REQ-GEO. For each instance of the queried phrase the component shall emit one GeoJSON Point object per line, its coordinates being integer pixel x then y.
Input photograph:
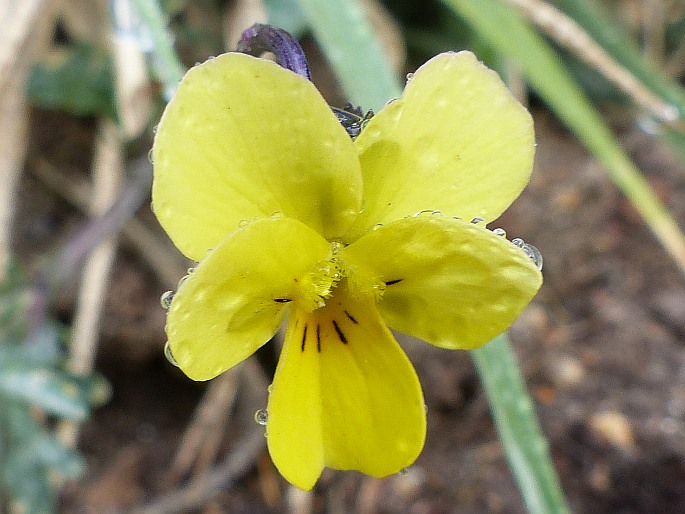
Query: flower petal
{"type": "Point", "coordinates": [456, 141]}
{"type": "Point", "coordinates": [245, 138]}
{"type": "Point", "coordinates": [451, 283]}
{"type": "Point", "coordinates": [234, 300]}
{"type": "Point", "coordinates": [344, 395]}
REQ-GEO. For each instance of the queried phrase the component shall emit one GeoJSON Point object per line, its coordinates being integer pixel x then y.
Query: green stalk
{"type": "Point", "coordinates": [347, 38]}
{"type": "Point", "coordinates": [503, 28]}
{"type": "Point", "coordinates": [167, 65]}
{"type": "Point", "coordinates": [525, 445]}
{"type": "Point", "coordinates": [605, 31]}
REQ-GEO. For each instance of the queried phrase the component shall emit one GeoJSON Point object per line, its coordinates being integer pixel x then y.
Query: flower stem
{"type": "Point", "coordinates": [168, 67]}
{"type": "Point", "coordinates": [524, 444]}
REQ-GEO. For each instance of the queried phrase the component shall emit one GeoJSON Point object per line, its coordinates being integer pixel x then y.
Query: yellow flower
{"type": "Point", "coordinates": [290, 218]}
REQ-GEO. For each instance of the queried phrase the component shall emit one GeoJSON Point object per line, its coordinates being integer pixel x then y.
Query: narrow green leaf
{"type": "Point", "coordinates": [599, 24]}
{"type": "Point", "coordinates": [508, 33]}
{"type": "Point", "coordinates": [348, 40]}
{"type": "Point", "coordinates": [514, 414]}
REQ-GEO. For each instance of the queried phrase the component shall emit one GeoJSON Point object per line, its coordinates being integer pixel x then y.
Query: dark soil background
{"type": "Point", "coordinates": [602, 349]}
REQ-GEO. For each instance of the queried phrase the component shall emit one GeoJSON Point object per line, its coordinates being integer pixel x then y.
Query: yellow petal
{"type": "Point", "coordinates": [344, 395]}
{"type": "Point", "coordinates": [449, 282]}
{"type": "Point", "coordinates": [245, 138]}
{"type": "Point", "coordinates": [457, 141]}
{"type": "Point", "coordinates": [234, 300]}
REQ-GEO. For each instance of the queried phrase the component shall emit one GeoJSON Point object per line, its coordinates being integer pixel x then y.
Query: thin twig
{"type": "Point", "coordinates": [569, 34]}
{"type": "Point", "coordinates": [201, 440]}
{"type": "Point", "coordinates": [164, 260]}
{"type": "Point", "coordinates": [206, 486]}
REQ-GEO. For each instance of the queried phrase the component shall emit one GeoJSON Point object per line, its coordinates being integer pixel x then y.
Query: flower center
{"type": "Point", "coordinates": [319, 283]}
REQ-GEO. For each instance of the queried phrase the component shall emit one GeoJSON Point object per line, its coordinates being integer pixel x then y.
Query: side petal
{"type": "Point", "coordinates": [245, 138]}
{"type": "Point", "coordinates": [456, 141]}
{"type": "Point", "coordinates": [234, 301]}
{"type": "Point", "coordinates": [344, 395]}
{"type": "Point", "coordinates": [451, 283]}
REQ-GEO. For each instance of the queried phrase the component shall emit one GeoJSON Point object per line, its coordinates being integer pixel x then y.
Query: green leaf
{"type": "Point", "coordinates": [286, 15]}
{"type": "Point", "coordinates": [77, 79]}
{"type": "Point", "coordinates": [53, 391]}
{"type": "Point", "coordinates": [348, 40]}
{"type": "Point", "coordinates": [514, 415]}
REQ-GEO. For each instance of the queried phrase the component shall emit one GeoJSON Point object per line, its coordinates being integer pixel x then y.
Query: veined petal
{"type": "Point", "coordinates": [244, 138]}
{"type": "Point", "coordinates": [451, 283]}
{"type": "Point", "coordinates": [456, 141]}
{"type": "Point", "coordinates": [344, 395]}
{"type": "Point", "coordinates": [234, 300]}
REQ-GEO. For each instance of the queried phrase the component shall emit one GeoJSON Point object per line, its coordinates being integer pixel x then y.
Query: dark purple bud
{"type": "Point", "coordinates": [260, 38]}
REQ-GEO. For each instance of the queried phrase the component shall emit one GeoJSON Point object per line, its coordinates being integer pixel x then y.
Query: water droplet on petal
{"type": "Point", "coordinates": [183, 279]}
{"type": "Point", "coordinates": [534, 255]}
{"type": "Point", "coordinates": [261, 417]}
{"type": "Point", "coordinates": [425, 212]}
{"type": "Point", "coordinates": [377, 226]}
{"type": "Point", "coordinates": [169, 356]}
{"type": "Point", "coordinates": [166, 299]}
{"type": "Point", "coordinates": [499, 232]}
{"type": "Point", "coordinates": [243, 223]}
{"type": "Point", "coordinates": [149, 156]}
{"type": "Point", "coordinates": [518, 242]}
{"type": "Point", "coordinates": [402, 472]}
{"type": "Point", "coordinates": [477, 220]}
{"type": "Point", "coordinates": [410, 76]}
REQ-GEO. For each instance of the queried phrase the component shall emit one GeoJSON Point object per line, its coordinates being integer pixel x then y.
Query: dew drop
{"type": "Point", "coordinates": [477, 220]}
{"type": "Point", "coordinates": [410, 76]}
{"type": "Point", "coordinates": [243, 223]}
{"type": "Point", "coordinates": [149, 156]}
{"type": "Point", "coordinates": [169, 356]}
{"type": "Point", "coordinates": [499, 232]}
{"type": "Point", "coordinates": [425, 212]}
{"type": "Point", "coordinates": [261, 417]}
{"type": "Point", "coordinates": [403, 472]}
{"type": "Point", "coordinates": [166, 299]}
{"type": "Point", "coordinates": [518, 242]}
{"type": "Point", "coordinates": [377, 226]}
{"type": "Point", "coordinates": [183, 279]}
{"type": "Point", "coordinates": [534, 255]}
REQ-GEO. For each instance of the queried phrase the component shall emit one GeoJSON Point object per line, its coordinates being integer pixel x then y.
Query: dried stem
{"type": "Point", "coordinates": [568, 33]}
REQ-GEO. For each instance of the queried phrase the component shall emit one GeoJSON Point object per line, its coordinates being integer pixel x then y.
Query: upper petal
{"type": "Point", "coordinates": [456, 141]}
{"type": "Point", "coordinates": [245, 138]}
{"type": "Point", "coordinates": [344, 395]}
{"type": "Point", "coordinates": [233, 302]}
{"type": "Point", "coordinates": [451, 283]}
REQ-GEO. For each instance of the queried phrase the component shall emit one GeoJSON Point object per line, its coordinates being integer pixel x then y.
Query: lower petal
{"type": "Point", "coordinates": [344, 395]}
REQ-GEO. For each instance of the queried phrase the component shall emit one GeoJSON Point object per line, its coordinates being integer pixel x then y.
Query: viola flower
{"type": "Point", "coordinates": [291, 219]}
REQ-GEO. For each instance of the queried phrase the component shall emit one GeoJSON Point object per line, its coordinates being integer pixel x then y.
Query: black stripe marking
{"type": "Point", "coordinates": [304, 337]}
{"type": "Point", "coordinates": [318, 338]}
{"type": "Point", "coordinates": [391, 282]}
{"type": "Point", "coordinates": [351, 318]}
{"type": "Point", "coordinates": [339, 332]}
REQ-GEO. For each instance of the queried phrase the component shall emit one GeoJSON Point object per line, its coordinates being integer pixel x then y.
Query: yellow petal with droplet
{"type": "Point", "coordinates": [456, 141]}
{"type": "Point", "coordinates": [449, 282]}
{"type": "Point", "coordinates": [234, 301]}
{"type": "Point", "coordinates": [244, 138]}
{"type": "Point", "coordinates": [344, 395]}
